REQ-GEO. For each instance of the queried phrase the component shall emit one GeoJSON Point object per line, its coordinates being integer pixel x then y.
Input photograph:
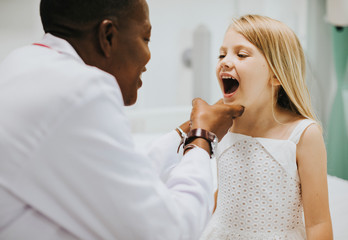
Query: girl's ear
{"type": "Point", "coordinates": [275, 81]}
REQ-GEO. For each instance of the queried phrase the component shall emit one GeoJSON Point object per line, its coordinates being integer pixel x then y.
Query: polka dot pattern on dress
{"type": "Point", "coordinates": [256, 195]}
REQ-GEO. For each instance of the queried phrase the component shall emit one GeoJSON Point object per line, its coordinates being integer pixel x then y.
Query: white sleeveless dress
{"type": "Point", "coordinates": [259, 189]}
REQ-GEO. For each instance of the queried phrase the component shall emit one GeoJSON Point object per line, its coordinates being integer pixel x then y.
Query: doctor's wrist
{"type": "Point", "coordinates": [185, 127]}
{"type": "Point", "coordinates": [198, 142]}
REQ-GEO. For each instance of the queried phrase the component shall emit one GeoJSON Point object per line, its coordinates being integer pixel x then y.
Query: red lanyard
{"type": "Point", "coordinates": [42, 45]}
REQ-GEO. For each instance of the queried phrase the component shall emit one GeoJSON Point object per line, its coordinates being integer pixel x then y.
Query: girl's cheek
{"type": "Point", "coordinates": [217, 71]}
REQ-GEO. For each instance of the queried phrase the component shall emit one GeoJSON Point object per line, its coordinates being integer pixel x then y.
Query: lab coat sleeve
{"type": "Point", "coordinates": [88, 177]}
{"type": "Point", "coordinates": [164, 154]}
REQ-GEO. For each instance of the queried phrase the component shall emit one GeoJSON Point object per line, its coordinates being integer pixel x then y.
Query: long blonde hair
{"type": "Point", "coordinates": [284, 54]}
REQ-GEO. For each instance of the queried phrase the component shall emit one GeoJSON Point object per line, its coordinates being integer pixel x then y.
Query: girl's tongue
{"type": "Point", "coordinates": [230, 85]}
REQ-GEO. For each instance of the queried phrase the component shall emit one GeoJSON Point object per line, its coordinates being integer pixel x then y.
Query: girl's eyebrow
{"type": "Point", "coordinates": [239, 46]}
{"type": "Point", "coordinates": [222, 48]}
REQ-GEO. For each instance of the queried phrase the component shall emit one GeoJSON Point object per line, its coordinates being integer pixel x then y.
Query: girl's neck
{"type": "Point", "coordinates": [264, 122]}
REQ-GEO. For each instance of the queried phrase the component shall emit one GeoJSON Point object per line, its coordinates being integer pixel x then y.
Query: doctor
{"type": "Point", "coordinates": [68, 166]}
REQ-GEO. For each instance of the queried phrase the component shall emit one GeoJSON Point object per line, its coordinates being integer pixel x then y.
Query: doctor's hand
{"type": "Point", "coordinates": [217, 118]}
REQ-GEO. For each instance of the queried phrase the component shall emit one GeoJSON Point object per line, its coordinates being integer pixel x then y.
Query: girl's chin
{"type": "Point", "coordinates": [229, 101]}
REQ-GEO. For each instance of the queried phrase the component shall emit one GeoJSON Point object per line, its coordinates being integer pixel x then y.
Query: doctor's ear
{"type": "Point", "coordinates": [107, 37]}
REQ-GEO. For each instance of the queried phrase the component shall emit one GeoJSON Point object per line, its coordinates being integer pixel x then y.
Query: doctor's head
{"type": "Point", "coordinates": [112, 35]}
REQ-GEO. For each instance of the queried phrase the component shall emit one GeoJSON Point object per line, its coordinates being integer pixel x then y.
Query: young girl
{"type": "Point", "coordinates": [272, 162]}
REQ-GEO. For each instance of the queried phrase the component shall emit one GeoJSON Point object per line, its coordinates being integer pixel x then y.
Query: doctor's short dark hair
{"type": "Point", "coordinates": [73, 17]}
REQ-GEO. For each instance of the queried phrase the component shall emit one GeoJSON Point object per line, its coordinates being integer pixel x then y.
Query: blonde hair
{"type": "Point", "coordinates": [284, 54]}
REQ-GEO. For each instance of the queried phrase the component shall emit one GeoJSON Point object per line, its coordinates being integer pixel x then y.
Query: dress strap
{"type": "Point", "coordinates": [299, 129]}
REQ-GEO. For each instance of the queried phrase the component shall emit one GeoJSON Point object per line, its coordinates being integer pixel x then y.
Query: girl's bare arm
{"type": "Point", "coordinates": [312, 165]}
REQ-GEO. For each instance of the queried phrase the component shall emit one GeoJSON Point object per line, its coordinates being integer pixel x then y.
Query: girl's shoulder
{"type": "Point", "coordinates": [299, 126]}
{"type": "Point", "coordinates": [291, 125]}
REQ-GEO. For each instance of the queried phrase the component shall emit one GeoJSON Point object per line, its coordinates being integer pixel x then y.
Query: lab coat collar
{"type": "Point", "coordinates": [60, 45]}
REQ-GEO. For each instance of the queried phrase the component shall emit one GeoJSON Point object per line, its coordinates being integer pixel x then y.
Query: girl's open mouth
{"type": "Point", "coordinates": [230, 84]}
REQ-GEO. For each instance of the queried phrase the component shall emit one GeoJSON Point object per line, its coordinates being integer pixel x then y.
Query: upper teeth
{"type": "Point", "coordinates": [226, 77]}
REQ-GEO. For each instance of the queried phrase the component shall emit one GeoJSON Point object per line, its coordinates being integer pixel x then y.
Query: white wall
{"type": "Point", "coordinates": [168, 82]}
{"type": "Point", "coordinates": [19, 24]}
{"type": "Point", "coordinates": [321, 78]}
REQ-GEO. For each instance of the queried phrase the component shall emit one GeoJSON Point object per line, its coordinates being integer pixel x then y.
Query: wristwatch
{"type": "Point", "coordinates": [202, 133]}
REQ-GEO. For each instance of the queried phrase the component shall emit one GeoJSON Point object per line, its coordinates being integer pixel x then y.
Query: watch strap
{"type": "Point", "coordinates": [201, 133]}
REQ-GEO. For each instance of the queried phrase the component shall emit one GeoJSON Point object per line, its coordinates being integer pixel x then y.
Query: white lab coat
{"type": "Point", "coordinates": [68, 165]}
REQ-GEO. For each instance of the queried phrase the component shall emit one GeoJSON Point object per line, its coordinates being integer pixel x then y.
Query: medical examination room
{"type": "Point", "coordinates": [186, 53]}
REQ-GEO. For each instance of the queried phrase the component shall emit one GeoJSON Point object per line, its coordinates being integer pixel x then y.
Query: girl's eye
{"type": "Point", "coordinates": [147, 39]}
{"type": "Point", "coordinates": [242, 55]}
{"type": "Point", "coordinates": [221, 56]}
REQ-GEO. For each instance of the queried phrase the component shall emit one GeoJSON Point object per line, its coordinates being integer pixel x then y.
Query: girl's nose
{"type": "Point", "coordinates": [226, 64]}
